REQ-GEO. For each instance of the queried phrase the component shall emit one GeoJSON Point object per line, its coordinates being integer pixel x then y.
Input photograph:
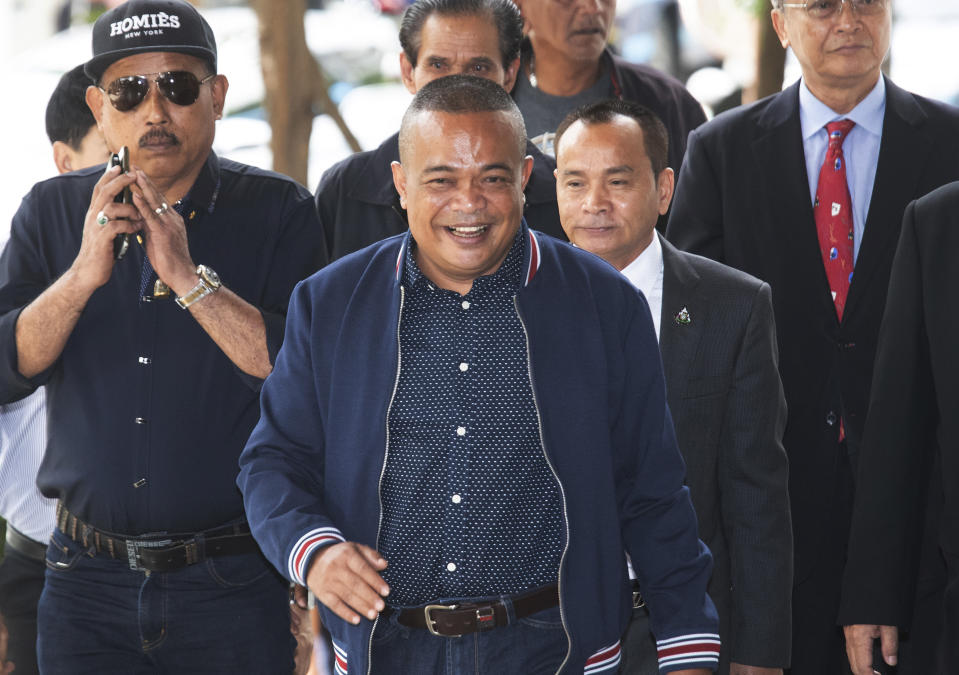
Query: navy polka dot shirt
{"type": "Point", "coordinates": [471, 507]}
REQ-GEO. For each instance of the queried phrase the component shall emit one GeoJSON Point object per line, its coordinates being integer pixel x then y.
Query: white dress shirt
{"type": "Point", "coordinates": [646, 274]}
{"type": "Point", "coordinates": [860, 148]}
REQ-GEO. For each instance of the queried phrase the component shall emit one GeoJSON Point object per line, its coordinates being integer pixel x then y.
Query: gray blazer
{"type": "Point", "coordinates": [718, 342]}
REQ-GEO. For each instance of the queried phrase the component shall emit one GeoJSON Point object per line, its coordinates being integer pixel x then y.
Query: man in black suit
{"type": "Point", "coordinates": [749, 196]}
{"type": "Point", "coordinates": [718, 343]}
{"type": "Point", "coordinates": [910, 434]}
{"type": "Point", "coordinates": [355, 199]}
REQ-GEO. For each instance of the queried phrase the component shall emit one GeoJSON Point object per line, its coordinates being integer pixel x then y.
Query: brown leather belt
{"type": "Point", "coordinates": [463, 618]}
{"type": "Point", "coordinates": [157, 554]}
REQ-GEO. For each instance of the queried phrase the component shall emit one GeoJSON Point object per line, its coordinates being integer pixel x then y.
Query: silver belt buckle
{"type": "Point", "coordinates": [133, 551]}
{"type": "Point", "coordinates": [430, 621]}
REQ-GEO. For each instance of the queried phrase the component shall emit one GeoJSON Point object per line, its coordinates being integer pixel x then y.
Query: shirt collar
{"type": "Point", "coordinates": [206, 188]}
{"type": "Point", "coordinates": [868, 113]}
{"type": "Point", "coordinates": [644, 271]}
{"type": "Point", "coordinates": [509, 273]}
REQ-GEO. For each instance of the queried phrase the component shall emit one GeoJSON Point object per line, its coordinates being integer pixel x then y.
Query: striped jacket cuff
{"type": "Point", "coordinates": [697, 650]}
{"type": "Point", "coordinates": [606, 660]}
{"type": "Point", "coordinates": [304, 548]}
{"type": "Point", "coordinates": [339, 659]}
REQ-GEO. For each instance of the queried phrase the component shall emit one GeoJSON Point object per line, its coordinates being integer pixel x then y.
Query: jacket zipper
{"type": "Point", "coordinates": [542, 443]}
{"type": "Point", "coordinates": [379, 489]}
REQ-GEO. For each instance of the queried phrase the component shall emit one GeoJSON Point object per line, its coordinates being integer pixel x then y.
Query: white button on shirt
{"type": "Point", "coordinates": [460, 431]}
{"type": "Point", "coordinates": [451, 567]}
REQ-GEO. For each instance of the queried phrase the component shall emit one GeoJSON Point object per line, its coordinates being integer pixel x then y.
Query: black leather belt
{"type": "Point", "coordinates": [24, 545]}
{"type": "Point", "coordinates": [153, 554]}
{"type": "Point", "coordinates": [463, 618]}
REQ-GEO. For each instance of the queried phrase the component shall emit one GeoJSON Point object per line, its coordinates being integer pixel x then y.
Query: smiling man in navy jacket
{"type": "Point", "coordinates": [466, 426]}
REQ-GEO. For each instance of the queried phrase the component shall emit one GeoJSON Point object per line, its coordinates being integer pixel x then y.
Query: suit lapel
{"type": "Point", "coordinates": [902, 150]}
{"type": "Point", "coordinates": [778, 148]}
{"type": "Point", "coordinates": [679, 340]}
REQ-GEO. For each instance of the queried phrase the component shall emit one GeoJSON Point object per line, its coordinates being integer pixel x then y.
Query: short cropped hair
{"type": "Point", "coordinates": [462, 94]}
{"type": "Point", "coordinates": [68, 117]}
{"type": "Point", "coordinates": [655, 136]}
{"type": "Point", "coordinates": [503, 14]}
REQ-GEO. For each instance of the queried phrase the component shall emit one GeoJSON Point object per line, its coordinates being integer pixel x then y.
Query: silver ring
{"type": "Point", "coordinates": [102, 219]}
{"type": "Point", "coordinates": [161, 209]}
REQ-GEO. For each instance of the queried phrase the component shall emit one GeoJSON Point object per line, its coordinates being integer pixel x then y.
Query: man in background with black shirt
{"type": "Point", "coordinates": [153, 364]}
{"type": "Point", "coordinates": [356, 200]}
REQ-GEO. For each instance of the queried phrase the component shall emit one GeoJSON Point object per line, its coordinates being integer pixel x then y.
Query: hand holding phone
{"type": "Point", "coordinates": [122, 241]}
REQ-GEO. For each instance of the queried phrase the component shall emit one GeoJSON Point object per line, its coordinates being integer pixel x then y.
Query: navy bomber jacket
{"type": "Point", "coordinates": [310, 472]}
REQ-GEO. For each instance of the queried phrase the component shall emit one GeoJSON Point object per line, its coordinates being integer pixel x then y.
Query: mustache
{"type": "Point", "coordinates": [589, 27]}
{"type": "Point", "coordinates": [155, 135]}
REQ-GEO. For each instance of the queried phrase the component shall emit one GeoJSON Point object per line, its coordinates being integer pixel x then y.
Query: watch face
{"type": "Point", "coordinates": [208, 275]}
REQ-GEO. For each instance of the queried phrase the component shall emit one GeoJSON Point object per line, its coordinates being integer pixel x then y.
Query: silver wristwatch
{"type": "Point", "coordinates": [209, 283]}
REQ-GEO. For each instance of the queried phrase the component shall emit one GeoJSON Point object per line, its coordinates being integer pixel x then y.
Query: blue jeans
{"type": "Point", "coordinates": [535, 645]}
{"type": "Point", "coordinates": [227, 614]}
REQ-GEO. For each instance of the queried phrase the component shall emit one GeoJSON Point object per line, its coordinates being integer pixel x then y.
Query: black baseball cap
{"type": "Point", "coordinates": [139, 26]}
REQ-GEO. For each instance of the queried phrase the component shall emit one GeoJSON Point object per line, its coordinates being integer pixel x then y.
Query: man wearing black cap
{"type": "Point", "coordinates": [153, 364]}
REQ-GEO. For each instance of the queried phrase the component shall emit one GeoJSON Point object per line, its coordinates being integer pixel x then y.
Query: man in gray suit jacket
{"type": "Point", "coordinates": [718, 343]}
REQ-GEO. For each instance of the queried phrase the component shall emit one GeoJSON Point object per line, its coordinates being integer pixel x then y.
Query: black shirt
{"type": "Point", "coordinates": [147, 417]}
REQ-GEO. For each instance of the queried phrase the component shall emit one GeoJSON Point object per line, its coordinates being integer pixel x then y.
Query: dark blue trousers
{"type": "Point", "coordinates": [224, 615]}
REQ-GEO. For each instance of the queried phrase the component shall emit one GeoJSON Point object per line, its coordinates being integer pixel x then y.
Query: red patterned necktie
{"type": "Point", "coordinates": [833, 214]}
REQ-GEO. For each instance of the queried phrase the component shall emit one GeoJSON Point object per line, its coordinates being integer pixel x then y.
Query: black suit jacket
{"type": "Point", "coordinates": [728, 408]}
{"type": "Point", "coordinates": [743, 199]}
{"type": "Point", "coordinates": [912, 426]}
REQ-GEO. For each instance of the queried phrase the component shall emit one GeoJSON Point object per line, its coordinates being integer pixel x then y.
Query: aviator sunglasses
{"type": "Point", "coordinates": [178, 86]}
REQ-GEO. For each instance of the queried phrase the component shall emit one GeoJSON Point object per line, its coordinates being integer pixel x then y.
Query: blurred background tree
{"type": "Point", "coordinates": [770, 55]}
{"type": "Point", "coordinates": [295, 86]}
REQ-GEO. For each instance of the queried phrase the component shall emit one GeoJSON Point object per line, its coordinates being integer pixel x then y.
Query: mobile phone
{"type": "Point", "coordinates": [122, 241]}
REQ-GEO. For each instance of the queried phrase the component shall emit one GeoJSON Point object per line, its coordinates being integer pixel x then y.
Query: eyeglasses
{"type": "Point", "coordinates": [178, 86]}
{"type": "Point", "coordinates": [826, 9]}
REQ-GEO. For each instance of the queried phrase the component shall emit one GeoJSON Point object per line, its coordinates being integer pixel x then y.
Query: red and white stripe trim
{"type": "Point", "coordinates": [606, 659]}
{"type": "Point", "coordinates": [339, 659]}
{"type": "Point", "coordinates": [309, 542]}
{"type": "Point", "coordinates": [688, 651]}
{"type": "Point", "coordinates": [534, 258]}
{"type": "Point", "coordinates": [399, 260]}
